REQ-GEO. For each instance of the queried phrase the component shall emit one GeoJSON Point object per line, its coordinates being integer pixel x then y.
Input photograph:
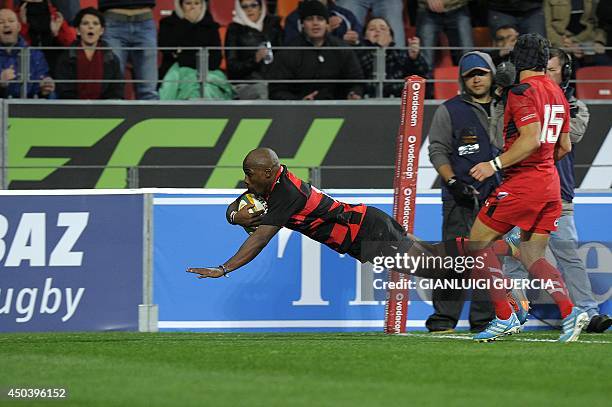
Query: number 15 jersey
{"type": "Point", "coordinates": [535, 99]}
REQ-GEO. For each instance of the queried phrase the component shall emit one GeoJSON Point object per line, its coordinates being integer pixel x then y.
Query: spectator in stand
{"type": "Point", "coordinates": [399, 63]}
{"type": "Point", "coordinates": [86, 62]}
{"type": "Point", "coordinates": [505, 38]}
{"type": "Point", "coordinates": [190, 25]}
{"type": "Point", "coordinates": [43, 26]}
{"type": "Point", "coordinates": [527, 15]}
{"type": "Point", "coordinates": [252, 27]}
{"type": "Point", "coordinates": [604, 17]}
{"type": "Point", "coordinates": [573, 26]}
{"type": "Point", "coordinates": [130, 24]}
{"type": "Point", "coordinates": [391, 10]}
{"type": "Point", "coordinates": [342, 23]}
{"type": "Point", "coordinates": [315, 63]}
{"type": "Point", "coordinates": [450, 16]}
{"type": "Point", "coordinates": [68, 8]}
{"type": "Point", "coordinates": [41, 84]}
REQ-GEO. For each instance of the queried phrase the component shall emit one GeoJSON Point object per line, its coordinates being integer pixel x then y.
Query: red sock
{"type": "Point", "coordinates": [493, 271]}
{"type": "Point", "coordinates": [543, 270]}
{"type": "Point", "coordinates": [500, 247]}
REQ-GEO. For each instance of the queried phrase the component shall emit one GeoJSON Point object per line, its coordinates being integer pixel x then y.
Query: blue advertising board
{"type": "Point", "coordinates": [296, 283]}
{"type": "Point", "coordinates": [70, 262]}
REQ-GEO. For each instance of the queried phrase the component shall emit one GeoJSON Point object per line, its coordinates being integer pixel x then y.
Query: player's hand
{"type": "Point", "coordinates": [334, 22]}
{"type": "Point", "coordinates": [482, 171]}
{"type": "Point", "coordinates": [56, 24]}
{"type": "Point", "coordinates": [414, 47]}
{"type": "Point", "coordinates": [260, 54]}
{"type": "Point", "coordinates": [206, 272]}
{"type": "Point", "coordinates": [311, 96]}
{"type": "Point", "coordinates": [247, 219]}
{"type": "Point", "coordinates": [7, 75]}
{"type": "Point", "coordinates": [437, 6]}
{"type": "Point", "coordinates": [23, 12]}
{"type": "Point", "coordinates": [351, 37]}
{"type": "Point", "coordinates": [353, 96]}
{"type": "Point", "coordinates": [462, 192]}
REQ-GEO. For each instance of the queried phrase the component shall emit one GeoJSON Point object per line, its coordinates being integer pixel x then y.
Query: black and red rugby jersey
{"type": "Point", "coordinates": [299, 206]}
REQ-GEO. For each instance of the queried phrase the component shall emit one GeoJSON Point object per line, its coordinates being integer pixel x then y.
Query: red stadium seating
{"type": "Point", "coordinates": [446, 90]}
{"type": "Point", "coordinates": [222, 11]}
{"type": "Point", "coordinates": [482, 37]}
{"type": "Point", "coordinates": [163, 8]}
{"type": "Point", "coordinates": [594, 90]}
{"type": "Point", "coordinates": [443, 57]}
{"type": "Point", "coordinates": [222, 32]}
{"type": "Point", "coordinates": [89, 3]}
{"type": "Point", "coordinates": [285, 7]}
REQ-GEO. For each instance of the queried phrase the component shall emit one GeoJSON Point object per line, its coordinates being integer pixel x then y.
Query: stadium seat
{"type": "Point", "coordinates": [446, 90]}
{"type": "Point", "coordinates": [482, 37]}
{"type": "Point", "coordinates": [89, 3]}
{"type": "Point", "coordinates": [594, 90]}
{"type": "Point", "coordinates": [222, 11]}
{"type": "Point", "coordinates": [285, 7]}
{"type": "Point", "coordinates": [222, 33]}
{"type": "Point", "coordinates": [443, 57]}
{"type": "Point", "coordinates": [163, 8]}
{"type": "Point", "coordinates": [129, 93]}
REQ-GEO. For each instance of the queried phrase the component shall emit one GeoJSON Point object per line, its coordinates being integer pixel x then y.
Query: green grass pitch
{"type": "Point", "coordinates": [298, 369]}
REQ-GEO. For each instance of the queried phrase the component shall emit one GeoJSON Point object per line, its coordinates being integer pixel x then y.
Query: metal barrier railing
{"type": "Point", "coordinates": [203, 56]}
{"type": "Point", "coordinates": [134, 174]}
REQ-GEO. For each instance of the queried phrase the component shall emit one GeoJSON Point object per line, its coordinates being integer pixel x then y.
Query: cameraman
{"type": "Point", "coordinates": [459, 139]}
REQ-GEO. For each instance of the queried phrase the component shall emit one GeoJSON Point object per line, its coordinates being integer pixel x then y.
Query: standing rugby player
{"type": "Point", "coordinates": [536, 134]}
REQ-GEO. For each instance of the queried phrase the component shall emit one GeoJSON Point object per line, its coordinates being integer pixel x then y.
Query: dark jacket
{"type": "Point", "coordinates": [445, 139]}
{"type": "Point", "coordinates": [179, 32]}
{"type": "Point", "coordinates": [67, 70]}
{"type": "Point", "coordinates": [104, 5]}
{"type": "Point", "coordinates": [398, 65]}
{"type": "Point", "coordinates": [293, 25]}
{"type": "Point", "coordinates": [241, 63]}
{"type": "Point", "coordinates": [38, 70]}
{"type": "Point", "coordinates": [315, 63]}
{"type": "Point", "coordinates": [514, 7]}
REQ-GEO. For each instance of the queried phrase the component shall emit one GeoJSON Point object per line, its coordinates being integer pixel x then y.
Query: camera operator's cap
{"type": "Point", "coordinates": [472, 62]}
{"type": "Point", "coordinates": [310, 8]}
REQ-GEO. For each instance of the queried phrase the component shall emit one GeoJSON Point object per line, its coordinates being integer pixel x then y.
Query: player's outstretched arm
{"type": "Point", "coordinates": [563, 146]}
{"type": "Point", "coordinates": [527, 142]}
{"type": "Point", "coordinates": [247, 252]}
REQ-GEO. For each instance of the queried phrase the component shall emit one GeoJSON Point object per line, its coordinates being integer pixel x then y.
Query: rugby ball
{"type": "Point", "coordinates": [260, 204]}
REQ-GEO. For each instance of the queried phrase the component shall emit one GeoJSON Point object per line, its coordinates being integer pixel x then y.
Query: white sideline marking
{"type": "Point", "coordinates": [310, 323]}
{"type": "Point", "coordinates": [469, 337]}
{"type": "Point", "coordinates": [424, 200]}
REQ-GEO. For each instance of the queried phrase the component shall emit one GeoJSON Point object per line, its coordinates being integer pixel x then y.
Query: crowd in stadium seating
{"type": "Point", "coordinates": [579, 26]}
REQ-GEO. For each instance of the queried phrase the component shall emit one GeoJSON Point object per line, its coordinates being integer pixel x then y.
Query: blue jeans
{"type": "Point", "coordinates": [390, 10]}
{"type": "Point", "coordinates": [563, 245]}
{"type": "Point", "coordinates": [532, 22]}
{"type": "Point", "coordinates": [68, 8]}
{"type": "Point", "coordinates": [121, 34]}
{"type": "Point", "coordinates": [457, 26]}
